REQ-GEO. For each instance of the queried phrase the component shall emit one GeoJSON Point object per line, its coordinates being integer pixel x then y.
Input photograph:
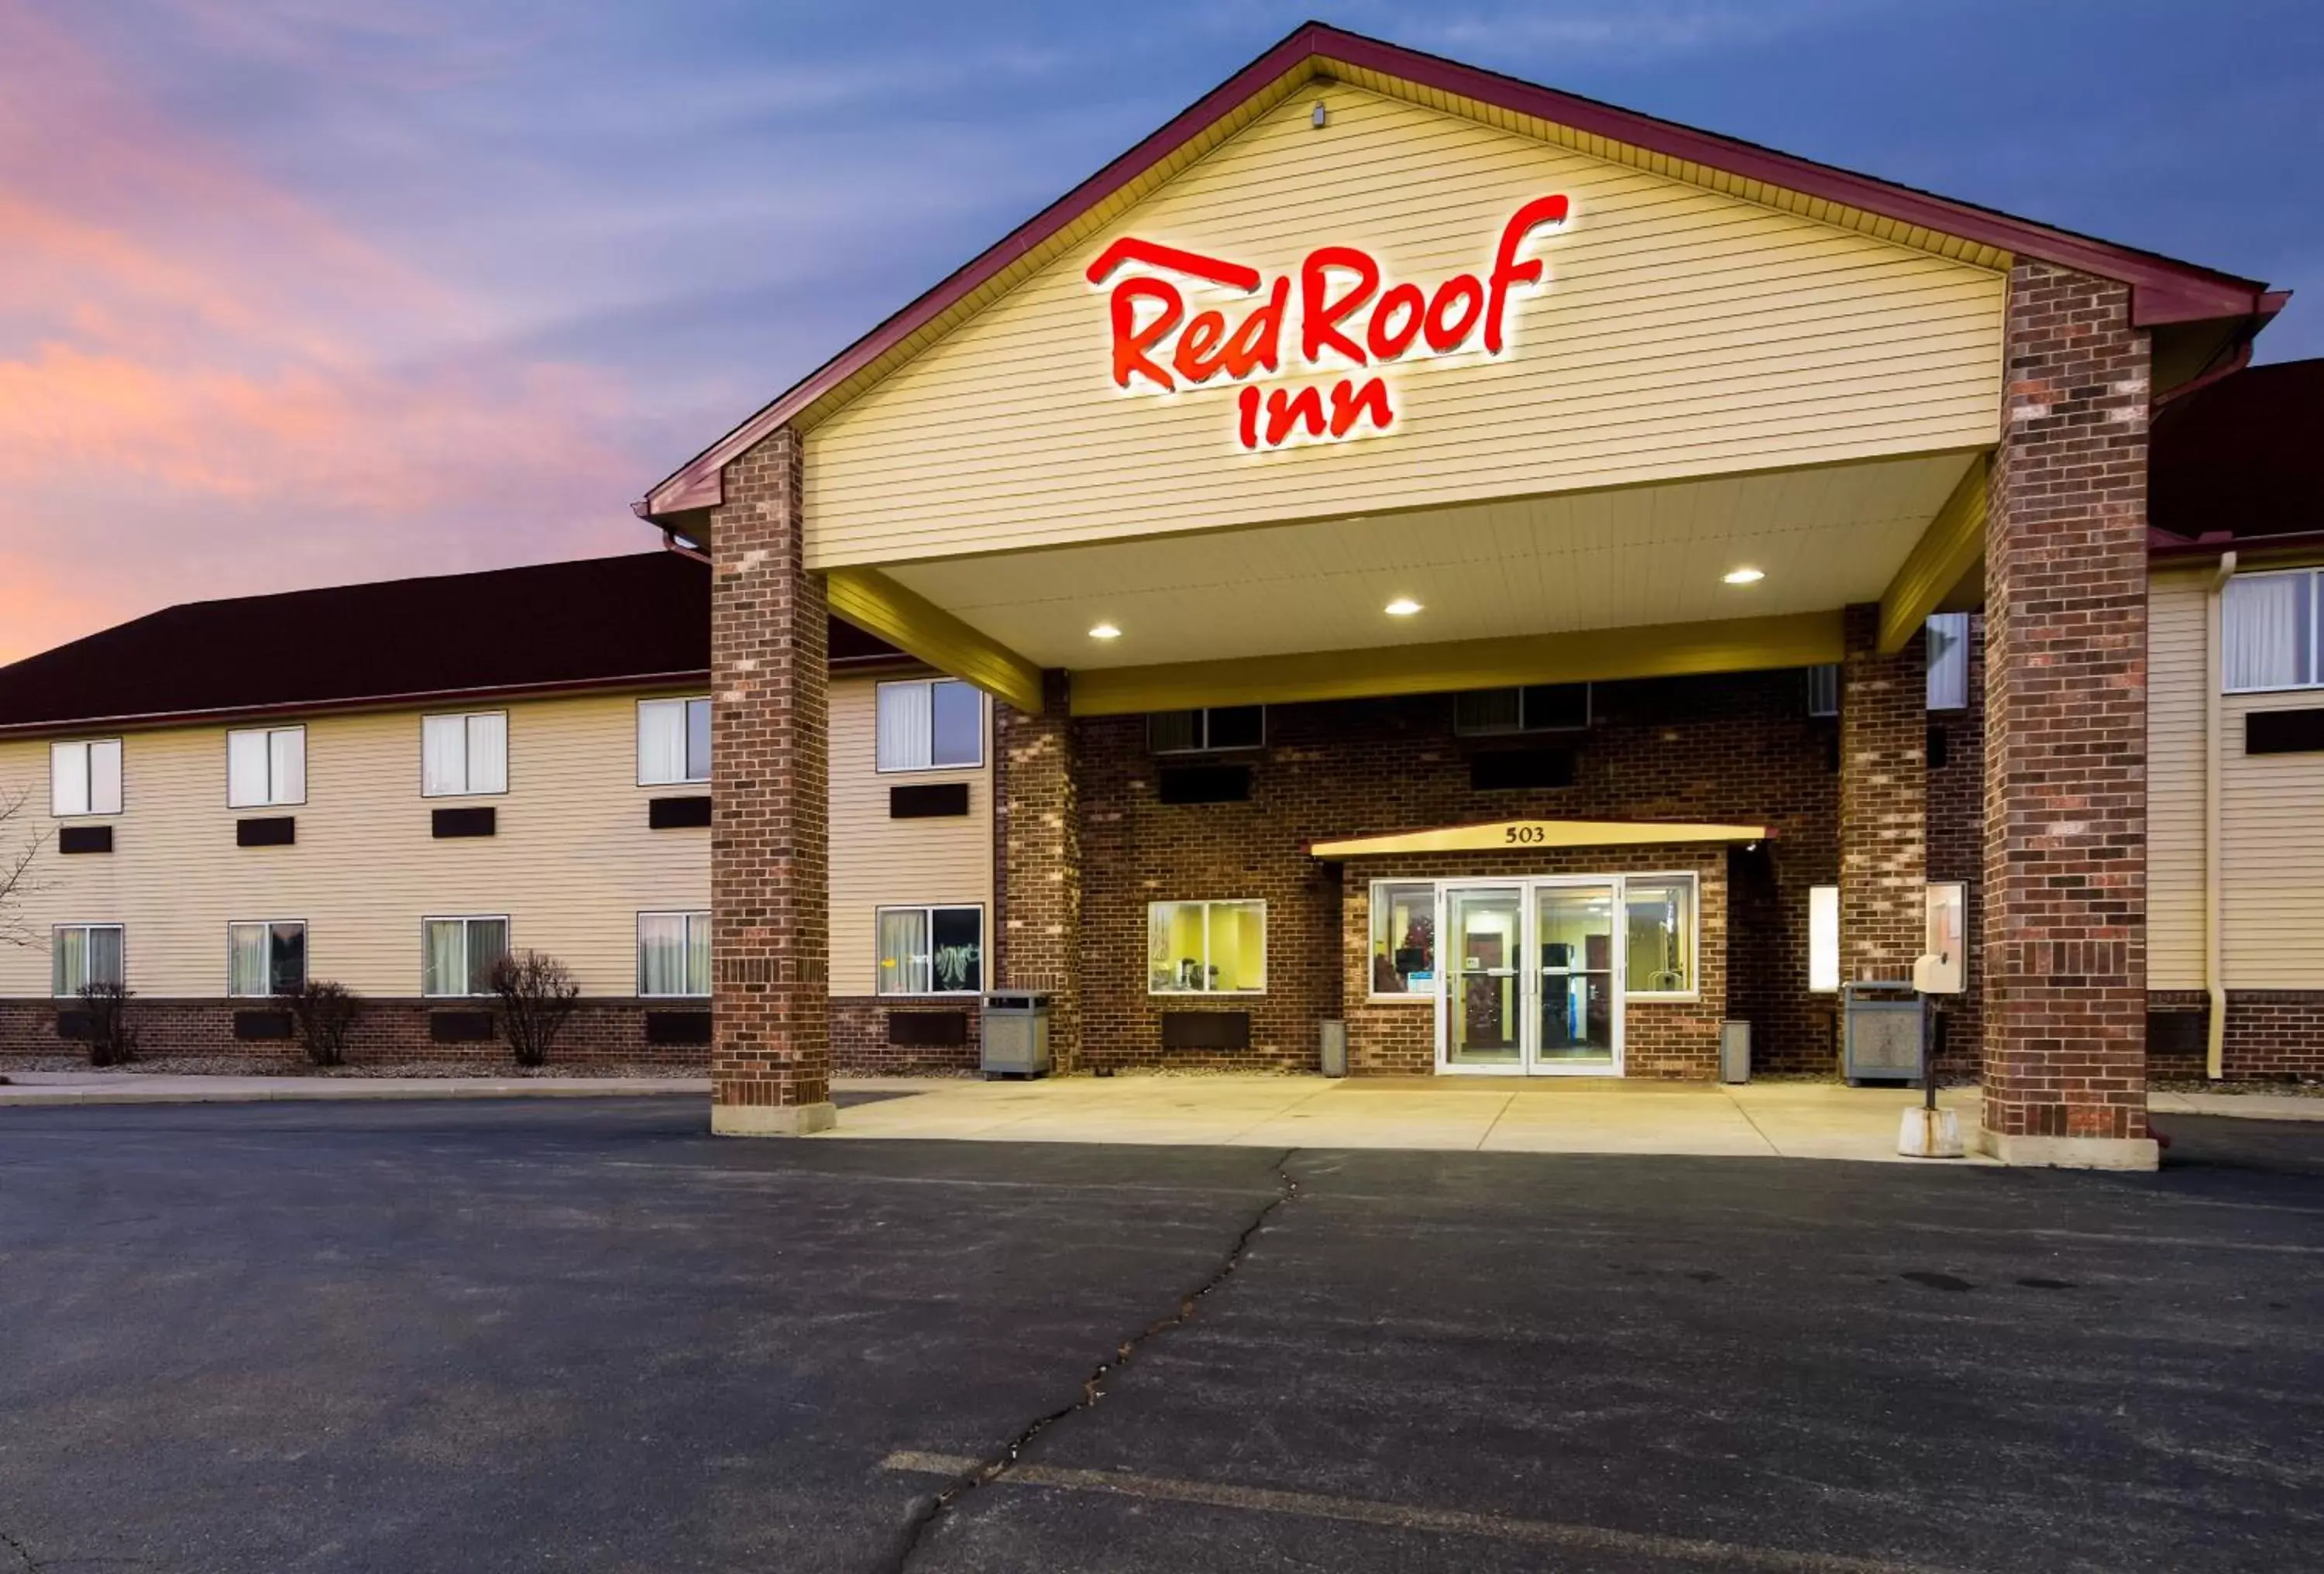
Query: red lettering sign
{"type": "Point", "coordinates": [1351, 317]}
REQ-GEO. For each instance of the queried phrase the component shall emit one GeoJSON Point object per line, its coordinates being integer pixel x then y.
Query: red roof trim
{"type": "Point", "coordinates": [2164, 290]}
{"type": "Point", "coordinates": [2214, 545]}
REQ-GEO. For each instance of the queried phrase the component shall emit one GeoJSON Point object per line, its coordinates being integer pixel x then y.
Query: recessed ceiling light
{"type": "Point", "coordinates": [1403, 606]}
{"type": "Point", "coordinates": [1105, 631]}
{"type": "Point", "coordinates": [1744, 576]}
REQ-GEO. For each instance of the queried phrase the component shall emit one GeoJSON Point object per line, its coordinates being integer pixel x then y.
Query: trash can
{"type": "Point", "coordinates": [1016, 1034]}
{"type": "Point", "coordinates": [1734, 1051]}
{"type": "Point", "coordinates": [1335, 1049]}
{"type": "Point", "coordinates": [1880, 1031]}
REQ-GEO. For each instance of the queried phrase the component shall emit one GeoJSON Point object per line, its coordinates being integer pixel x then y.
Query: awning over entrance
{"type": "Point", "coordinates": [1526, 835]}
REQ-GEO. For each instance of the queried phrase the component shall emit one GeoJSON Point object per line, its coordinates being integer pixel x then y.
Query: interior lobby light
{"type": "Point", "coordinates": [1105, 631]}
{"type": "Point", "coordinates": [1403, 606]}
{"type": "Point", "coordinates": [1744, 576]}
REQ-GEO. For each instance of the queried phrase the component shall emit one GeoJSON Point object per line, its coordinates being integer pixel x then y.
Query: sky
{"type": "Point", "coordinates": [299, 292]}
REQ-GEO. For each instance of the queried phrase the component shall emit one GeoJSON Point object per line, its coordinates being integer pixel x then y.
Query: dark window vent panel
{"type": "Point", "coordinates": [1204, 784]}
{"type": "Point", "coordinates": [260, 1025]}
{"type": "Point", "coordinates": [678, 1027]}
{"type": "Point", "coordinates": [459, 1027]}
{"type": "Point", "coordinates": [927, 1030]}
{"type": "Point", "coordinates": [73, 1025]}
{"type": "Point", "coordinates": [1515, 769]}
{"type": "Point", "coordinates": [1206, 1030]}
{"type": "Point", "coordinates": [453, 823]}
{"type": "Point", "coordinates": [2178, 1032]}
{"type": "Point", "coordinates": [2284, 732]}
{"type": "Point", "coordinates": [934, 800]}
{"type": "Point", "coordinates": [84, 839]}
{"type": "Point", "coordinates": [275, 831]}
{"type": "Point", "coordinates": [1938, 752]}
{"type": "Point", "coordinates": [677, 813]}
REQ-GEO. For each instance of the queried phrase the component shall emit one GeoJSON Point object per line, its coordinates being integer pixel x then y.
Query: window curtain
{"type": "Point", "coordinates": [1947, 660]}
{"type": "Point", "coordinates": [287, 766]}
{"type": "Point", "coordinates": [447, 965]}
{"type": "Point", "coordinates": [86, 955]}
{"type": "Point", "coordinates": [246, 959]}
{"type": "Point", "coordinates": [105, 778]}
{"type": "Point", "coordinates": [661, 741]}
{"type": "Point", "coordinates": [245, 769]}
{"type": "Point", "coordinates": [663, 954]}
{"type": "Point", "coordinates": [444, 751]}
{"type": "Point", "coordinates": [904, 951]}
{"type": "Point", "coordinates": [698, 953]}
{"type": "Point", "coordinates": [69, 778]}
{"type": "Point", "coordinates": [487, 744]}
{"type": "Point", "coordinates": [2267, 623]}
{"type": "Point", "coordinates": [487, 943]}
{"type": "Point", "coordinates": [906, 722]}
{"type": "Point", "coordinates": [698, 740]}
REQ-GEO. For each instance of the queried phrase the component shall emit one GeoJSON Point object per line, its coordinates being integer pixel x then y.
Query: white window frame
{"type": "Point", "coordinates": [1589, 713]}
{"type": "Point", "coordinates": [2315, 577]}
{"type": "Point", "coordinates": [468, 968]}
{"type": "Point", "coordinates": [273, 798]}
{"type": "Point", "coordinates": [56, 930]}
{"type": "Point", "coordinates": [1371, 918]}
{"type": "Point", "coordinates": [686, 779]}
{"type": "Point", "coordinates": [1204, 745]}
{"type": "Point", "coordinates": [467, 720]}
{"type": "Point", "coordinates": [88, 749]}
{"type": "Point", "coordinates": [984, 724]}
{"type": "Point", "coordinates": [1265, 973]}
{"type": "Point", "coordinates": [1693, 880]}
{"type": "Point", "coordinates": [691, 915]}
{"type": "Point", "coordinates": [1824, 953]}
{"type": "Point", "coordinates": [1948, 671]}
{"type": "Point", "coordinates": [983, 950]}
{"type": "Point", "coordinates": [306, 971]}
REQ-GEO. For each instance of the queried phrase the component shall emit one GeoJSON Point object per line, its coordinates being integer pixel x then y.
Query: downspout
{"type": "Point", "coordinates": [2214, 983]}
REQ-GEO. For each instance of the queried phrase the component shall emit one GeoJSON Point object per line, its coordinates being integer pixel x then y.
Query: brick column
{"type": "Point", "coordinates": [770, 867]}
{"type": "Point", "coordinates": [2065, 733]}
{"type": "Point", "coordinates": [1884, 793]}
{"type": "Point", "coordinates": [1038, 822]}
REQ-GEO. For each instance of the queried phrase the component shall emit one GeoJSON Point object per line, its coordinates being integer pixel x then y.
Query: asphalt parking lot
{"type": "Point", "coordinates": [586, 1336]}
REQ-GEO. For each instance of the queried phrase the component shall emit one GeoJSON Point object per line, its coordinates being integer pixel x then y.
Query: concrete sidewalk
{"type": "Point", "coordinates": [94, 1087]}
{"type": "Point", "coordinates": [1764, 1120]}
{"type": "Point", "coordinates": [2237, 1106]}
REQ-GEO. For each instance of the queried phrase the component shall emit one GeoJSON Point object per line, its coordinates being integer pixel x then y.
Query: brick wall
{"type": "Point", "coordinates": [1038, 875]}
{"type": "Point", "coordinates": [2273, 1035]}
{"type": "Point", "coordinates": [770, 872]}
{"type": "Point", "coordinates": [860, 1046]}
{"type": "Point", "coordinates": [1882, 803]}
{"type": "Point", "coordinates": [1661, 1038]}
{"type": "Point", "coordinates": [601, 1032]}
{"type": "Point", "coordinates": [1956, 819]}
{"type": "Point", "coordinates": [2065, 854]}
{"type": "Point", "coordinates": [1737, 746]}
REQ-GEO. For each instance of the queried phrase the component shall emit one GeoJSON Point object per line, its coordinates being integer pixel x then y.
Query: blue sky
{"type": "Point", "coordinates": [310, 290]}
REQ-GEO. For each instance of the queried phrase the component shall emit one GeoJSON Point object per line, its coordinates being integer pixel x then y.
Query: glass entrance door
{"type": "Point", "coordinates": [1532, 978]}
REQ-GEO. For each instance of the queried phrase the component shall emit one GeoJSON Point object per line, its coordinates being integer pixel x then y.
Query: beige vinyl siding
{"type": "Point", "coordinates": [1682, 333]}
{"type": "Point", "coordinates": [2174, 779]}
{"type": "Point", "coordinates": [877, 861]}
{"type": "Point", "coordinates": [572, 865]}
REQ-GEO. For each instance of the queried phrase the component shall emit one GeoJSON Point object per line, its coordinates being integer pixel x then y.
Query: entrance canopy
{"type": "Point", "coordinates": [1528, 835]}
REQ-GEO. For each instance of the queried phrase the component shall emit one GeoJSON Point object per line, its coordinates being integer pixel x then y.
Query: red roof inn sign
{"type": "Point", "coordinates": [1351, 319]}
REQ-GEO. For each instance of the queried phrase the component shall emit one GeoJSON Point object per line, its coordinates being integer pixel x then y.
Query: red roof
{"type": "Point", "coordinates": [2164, 290]}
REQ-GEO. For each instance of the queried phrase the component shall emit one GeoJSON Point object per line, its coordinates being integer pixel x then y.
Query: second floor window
{"type": "Point", "coordinates": [673, 741]}
{"type": "Point", "coordinates": [930, 724]}
{"type": "Point", "coordinates": [266, 959]}
{"type": "Point", "coordinates": [2268, 631]}
{"type": "Point", "coordinates": [265, 766]}
{"type": "Point", "coordinates": [85, 777]}
{"type": "Point", "coordinates": [462, 756]}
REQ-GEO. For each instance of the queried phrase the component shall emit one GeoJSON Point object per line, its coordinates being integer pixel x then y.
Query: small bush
{"type": "Point", "coordinates": [536, 993]}
{"type": "Point", "coordinates": [327, 1014]}
{"type": "Point", "coordinates": [112, 1037]}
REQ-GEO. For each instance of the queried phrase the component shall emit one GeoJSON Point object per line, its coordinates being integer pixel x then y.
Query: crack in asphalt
{"type": "Point", "coordinates": [17, 1547]}
{"type": "Point", "coordinates": [992, 1466]}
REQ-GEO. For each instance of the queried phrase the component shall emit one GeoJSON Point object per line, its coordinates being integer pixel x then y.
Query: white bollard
{"type": "Point", "coordinates": [1928, 1134]}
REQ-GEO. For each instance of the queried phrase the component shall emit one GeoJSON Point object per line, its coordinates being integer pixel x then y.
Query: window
{"type": "Point", "coordinates": [84, 953]}
{"type": "Point", "coordinates": [931, 950]}
{"type": "Point", "coordinates": [266, 959]}
{"type": "Point", "coordinates": [1206, 731]}
{"type": "Point", "coordinates": [1824, 689]}
{"type": "Point", "coordinates": [1541, 707]}
{"type": "Point", "coordinates": [460, 955]}
{"type": "Point", "coordinates": [84, 778]}
{"type": "Point", "coordinates": [462, 756]}
{"type": "Point", "coordinates": [673, 954]}
{"type": "Point", "coordinates": [1947, 645]}
{"type": "Point", "coordinates": [1824, 938]}
{"type": "Point", "coordinates": [1659, 921]}
{"type": "Point", "coordinates": [1403, 940]}
{"type": "Point", "coordinates": [265, 766]}
{"type": "Point", "coordinates": [673, 741]}
{"type": "Point", "coordinates": [1198, 948]}
{"type": "Point", "coordinates": [930, 724]}
{"type": "Point", "coordinates": [2268, 631]}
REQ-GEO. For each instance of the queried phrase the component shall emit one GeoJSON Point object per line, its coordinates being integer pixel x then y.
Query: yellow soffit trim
{"type": "Point", "coordinates": [1599, 655]}
{"type": "Point", "coordinates": [1939, 561]}
{"type": "Point", "coordinates": [1529, 835]}
{"type": "Point", "coordinates": [917, 626]}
